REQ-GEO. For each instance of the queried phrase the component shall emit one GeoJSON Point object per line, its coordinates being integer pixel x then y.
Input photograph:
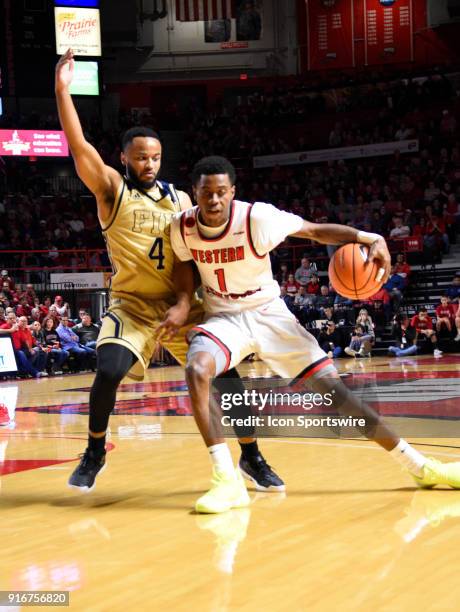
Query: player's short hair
{"type": "Point", "coordinates": [134, 132]}
{"type": "Point", "coordinates": [423, 309]}
{"type": "Point", "coordinates": [213, 165]}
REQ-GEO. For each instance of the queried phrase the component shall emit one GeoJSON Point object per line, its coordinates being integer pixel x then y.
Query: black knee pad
{"type": "Point", "coordinates": [114, 362]}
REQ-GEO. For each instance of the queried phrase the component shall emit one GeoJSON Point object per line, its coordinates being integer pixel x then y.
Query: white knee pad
{"type": "Point", "coordinates": [203, 344]}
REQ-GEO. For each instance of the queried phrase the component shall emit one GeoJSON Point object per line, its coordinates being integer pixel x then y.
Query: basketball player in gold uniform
{"type": "Point", "coordinates": [149, 289]}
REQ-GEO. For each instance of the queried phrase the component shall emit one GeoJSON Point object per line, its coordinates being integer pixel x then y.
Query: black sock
{"type": "Point", "coordinates": [96, 444]}
{"type": "Point", "coordinates": [250, 450]}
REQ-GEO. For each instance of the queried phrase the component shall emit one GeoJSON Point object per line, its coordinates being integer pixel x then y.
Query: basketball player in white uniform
{"type": "Point", "coordinates": [230, 242]}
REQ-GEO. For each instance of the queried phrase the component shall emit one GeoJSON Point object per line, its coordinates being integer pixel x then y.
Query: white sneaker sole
{"type": "Point", "coordinates": [86, 490]}
{"type": "Point", "coordinates": [258, 486]}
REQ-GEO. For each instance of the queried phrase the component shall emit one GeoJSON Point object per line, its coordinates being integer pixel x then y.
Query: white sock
{"type": "Point", "coordinates": [221, 458]}
{"type": "Point", "coordinates": [409, 457]}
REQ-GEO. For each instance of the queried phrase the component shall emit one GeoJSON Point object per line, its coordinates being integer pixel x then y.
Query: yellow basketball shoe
{"type": "Point", "coordinates": [227, 491]}
{"type": "Point", "coordinates": [438, 473]}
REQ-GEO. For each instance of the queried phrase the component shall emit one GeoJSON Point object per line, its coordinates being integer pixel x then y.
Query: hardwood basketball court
{"type": "Point", "coordinates": [352, 532]}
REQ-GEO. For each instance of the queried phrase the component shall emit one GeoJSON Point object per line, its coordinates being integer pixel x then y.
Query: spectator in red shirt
{"type": "Point", "coordinates": [23, 363]}
{"type": "Point", "coordinates": [23, 309]}
{"type": "Point", "coordinates": [291, 285]}
{"type": "Point", "coordinates": [28, 344]}
{"type": "Point", "coordinates": [445, 314]}
{"type": "Point", "coordinates": [424, 327]}
{"type": "Point", "coordinates": [435, 232]}
{"type": "Point", "coordinates": [30, 295]}
{"type": "Point", "coordinates": [402, 268]}
{"type": "Point", "coordinates": [313, 286]}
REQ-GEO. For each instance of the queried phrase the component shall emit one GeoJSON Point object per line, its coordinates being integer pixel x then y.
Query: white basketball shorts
{"type": "Point", "coordinates": [271, 331]}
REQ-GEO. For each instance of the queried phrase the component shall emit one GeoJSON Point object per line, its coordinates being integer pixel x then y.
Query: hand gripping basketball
{"type": "Point", "coordinates": [357, 271]}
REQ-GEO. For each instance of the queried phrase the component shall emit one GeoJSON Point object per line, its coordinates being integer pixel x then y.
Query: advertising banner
{"type": "Point", "coordinates": [79, 29]}
{"type": "Point", "coordinates": [34, 143]}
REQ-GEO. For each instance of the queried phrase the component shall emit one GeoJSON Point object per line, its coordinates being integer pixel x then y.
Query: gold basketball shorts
{"type": "Point", "coordinates": [132, 322]}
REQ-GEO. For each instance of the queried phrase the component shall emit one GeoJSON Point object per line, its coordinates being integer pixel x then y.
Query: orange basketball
{"type": "Point", "coordinates": [349, 274]}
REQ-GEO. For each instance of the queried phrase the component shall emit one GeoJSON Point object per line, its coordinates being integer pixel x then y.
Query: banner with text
{"type": "Point", "coordinates": [388, 32]}
{"type": "Point", "coordinates": [34, 143]}
{"type": "Point", "coordinates": [325, 155]}
{"type": "Point", "coordinates": [80, 280]}
{"type": "Point", "coordinates": [79, 29]}
{"type": "Point", "coordinates": [7, 359]}
{"type": "Point", "coordinates": [330, 34]}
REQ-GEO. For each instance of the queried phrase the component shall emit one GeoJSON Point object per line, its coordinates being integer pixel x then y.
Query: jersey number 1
{"type": "Point", "coordinates": [220, 273]}
{"type": "Point", "coordinates": [156, 253]}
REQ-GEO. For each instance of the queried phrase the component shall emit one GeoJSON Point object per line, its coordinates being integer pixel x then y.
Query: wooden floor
{"type": "Point", "coordinates": [351, 532]}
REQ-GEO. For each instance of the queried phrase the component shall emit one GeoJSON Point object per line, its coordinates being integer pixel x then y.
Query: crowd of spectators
{"type": "Point", "coordinates": [401, 196]}
{"type": "Point", "coordinates": [45, 339]}
{"type": "Point", "coordinates": [404, 195]}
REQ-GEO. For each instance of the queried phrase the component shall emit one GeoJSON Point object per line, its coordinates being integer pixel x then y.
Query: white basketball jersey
{"type": "Point", "coordinates": [235, 266]}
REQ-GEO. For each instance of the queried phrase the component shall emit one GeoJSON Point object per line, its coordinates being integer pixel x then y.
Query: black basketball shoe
{"type": "Point", "coordinates": [257, 470]}
{"type": "Point", "coordinates": [84, 476]}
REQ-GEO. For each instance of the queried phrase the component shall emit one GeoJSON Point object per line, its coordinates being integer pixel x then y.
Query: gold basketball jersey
{"type": "Point", "coordinates": [138, 241]}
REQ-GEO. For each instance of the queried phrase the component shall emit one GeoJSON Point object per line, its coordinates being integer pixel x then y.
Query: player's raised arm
{"type": "Point", "coordinates": [102, 180]}
{"type": "Point", "coordinates": [332, 233]}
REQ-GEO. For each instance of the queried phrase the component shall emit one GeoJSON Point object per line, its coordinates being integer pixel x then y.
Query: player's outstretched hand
{"type": "Point", "coordinates": [175, 318]}
{"type": "Point", "coordinates": [64, 70]}
{"type": "Point", "coordinates": [379, 251]}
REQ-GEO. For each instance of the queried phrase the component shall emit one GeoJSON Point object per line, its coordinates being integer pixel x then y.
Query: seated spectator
{"type": "Point", "coordinates": [423, 325]}
{"type": "Point", "coordinates": [81, 312]}
{"type": "Point", "coordinates": [303, 306]}
{"type": "Point", "coordinates": [23, 363]}
{"type": "Point", "coordinates": [304, 272]}
{"type": "Point", "coordinates": [87, 331]}
{"type": "Point", "coordinates": [62, 308]}
{"type": "Point", "coordinates": [436, 237]}
{"type": "Point", "coordinates": [404, 335]}
{"type": "Point", "coordinates": [53, 313]}
{"type": "Point", "coordinates": [330, 340]}
{"type": "Point", "coordinates": [453, 292]}
{"type": "Point", "coordinates": [380, 303]}
{"type": "Point", "coordinates": [23, 309]}
{"type": "Point", "coordinates": [291, 286]}
{"type": "Point", "coordinates": [283, 274]}
{"type": "Point", "coordinates": [57, 355]}
{"type": "Point", "coordinates": [70, 342]}
{"type": "Point", "coordinates": [445, 315]}
{"type": "Point", "coordinates": [395, 287]}
{"type": "Point", "coordinates": [30, 295]}
{"type": "Point", "coordinates": [330, 315]}
{"type": "Point", "coordinates": [5, 278]}
{"type": "Point", "coordinates": [324, 300]}
{"type": "Point", "coordinates": [30, 346]}
{"type": "Point", "coordinates": [365, 320]}
{"type": "Point", "coordinates": [399, 230]}
{"type": "Point", "coordinates": [10, 294]}
{"type": "Point", "coordinates": [402, 268]}
{"type": "Point", "coordinates": [313, 286]}
{"type": "Point", "coordinates": [287, 299]}
{"type": "Point", "coordinates": [360, 343]}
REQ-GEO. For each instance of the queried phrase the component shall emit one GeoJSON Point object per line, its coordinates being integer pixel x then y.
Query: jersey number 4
{"type": "Point", "coordinates": [156, 253]}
